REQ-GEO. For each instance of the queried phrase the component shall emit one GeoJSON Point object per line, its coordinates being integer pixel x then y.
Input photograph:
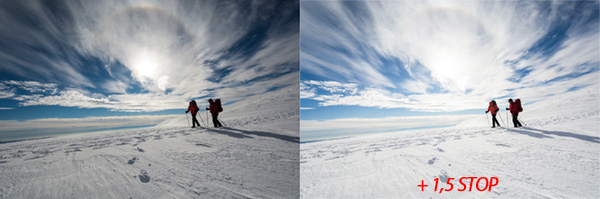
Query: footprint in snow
{"type": "Point", "coordinates": [432, 161]}
{"type": "Point", "coordinates": [132, 160]}
{"type": "Point", "coordinates": [443, 176]}
{"type": "Point", "coordinates": [144, 177]}
{"type": "Point", "coordinates": [440, 150]}
{"type": "Point", "coordinates": [140, 149]}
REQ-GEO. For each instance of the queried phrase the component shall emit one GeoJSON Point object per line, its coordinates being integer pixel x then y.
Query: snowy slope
{"type": "Point", "coordinates": [556, 156]}
{"type": "Point", "coordinates": [167, 161]}
{"type": "Point", "coordinates": [575, 107]}
{"type": "Point", "coordinates": [275, 111]}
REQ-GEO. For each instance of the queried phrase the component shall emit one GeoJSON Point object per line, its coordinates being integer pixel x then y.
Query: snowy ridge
{"type": "Point", "coordinates": [274, 111]}
{"type": "Point", "coordinates": [576, 108]}
{"type": "Point", "coordinates": [556, 156]}
{"type": "Point", "coordinates": [167, 161]}
{"type": "Point", "coordinates": [582, 104]}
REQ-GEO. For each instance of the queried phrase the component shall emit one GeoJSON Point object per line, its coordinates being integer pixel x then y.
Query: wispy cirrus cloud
{"type": "Point", "coordinates": [9, 89]}
{"type": "Point", "coordinates": [447, 56]}
{"type": "Point", "coordinates": [308, 88]}
{"type": "Point", "coordinates": [146, 55]}
{"type": "Point", "coordinates": [30, 86]}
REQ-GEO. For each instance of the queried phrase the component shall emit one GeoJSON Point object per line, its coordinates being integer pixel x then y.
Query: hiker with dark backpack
{"type": "Point", "coordinates": [493, 108]}
{"type": "Point", "coordinates": [215, 107]}
{"type": "Point", "coordinates": [515, 108]}
{"type": "Point", "coordinates": [193, 107]}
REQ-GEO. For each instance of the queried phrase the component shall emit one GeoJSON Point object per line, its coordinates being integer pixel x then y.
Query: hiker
{"type": "Point", "coordinates": [494, 109]}
{"type": "Point", "coordinates": [193, 107]}
{"type": "Point", "coordinates": [215, 107]}
{"type": "Point", "coordinates": [514, 111]}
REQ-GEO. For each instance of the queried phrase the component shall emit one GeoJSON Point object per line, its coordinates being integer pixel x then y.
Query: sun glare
{"type": "Point", "coordinates": [146, 67]}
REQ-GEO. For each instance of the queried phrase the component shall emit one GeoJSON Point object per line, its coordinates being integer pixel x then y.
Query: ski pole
{"type": "Point", "coordinates": [200, 115]}
{"type": "Point", "coordinates": [207, 119]}
{"type": "Point", "coordinates": [507, 118]}
{"type": "Point", "coordinates": [487, 119]}
{"type": "Point", "coordinates": [222, 122]}
{"type": "Point", "coordinates": [188, 119]}
{"type": "Point", "coordinates": [500, 115]}
{"type": "Point", "coordinates": [521, 122]}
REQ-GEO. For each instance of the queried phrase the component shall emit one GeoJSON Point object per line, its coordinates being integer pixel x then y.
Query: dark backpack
{"type": "Point", "coordinates": [519, 107]}
{"type": "Point", "coordinates": [218, 103]}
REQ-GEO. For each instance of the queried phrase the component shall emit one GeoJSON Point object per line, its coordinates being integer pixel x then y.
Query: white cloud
{"type": "Point", "coordinates": [6, 94]}
{"type": "Point", "coordinates": [34, 93]}
{"type": "Point", "coordinates": [166, 44]}
{"type": "Point", "coordinates": [6, 91]}
{"type": "Point", "coordinates": [381, 98]}
{"type": "Point", "coordinates": [115, 87]}
{"type": "Point", "coordinates": [31, 86]}
{"type": "Point", "coordinates": [119, 102]}
{"type": "Point", "coordinates": [575, 56]}
{"type": "Point", "coordinates": [457, 54]}
{"type": "Point", "coordinates": [342, 51]}
{"type": "Point", "coordinates": [307, 91]}
{"type": "Point", "coordinates": [171, 51]}
{"type": "Point", "coordinates": [332, 86]}
{"type": "Point", "coordinates": [368, 97]}
{"type": "Point", "coordinates": [9, 89]}
{"type": "Point", "coordinates": [231, 94]}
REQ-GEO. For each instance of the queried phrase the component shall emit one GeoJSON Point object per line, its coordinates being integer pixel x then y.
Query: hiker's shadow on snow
{"type": "Point", "coordinates": [229, 133]}
{"type": "Point", "coordinates": [532, 132]}
{"type": "Point", "coordinates": [529, 133]}
{"type": "Point", "coordinates": [263, 134]}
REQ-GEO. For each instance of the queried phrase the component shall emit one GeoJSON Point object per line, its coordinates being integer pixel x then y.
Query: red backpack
{"type": "Point", "coordinates": [519, 107]}
{"type": "Point", "coordinates": [218, 103]}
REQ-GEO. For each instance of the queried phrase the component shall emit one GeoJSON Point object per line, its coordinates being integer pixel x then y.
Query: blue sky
{"type": "Point", "coordinates": [84, 65]}
{"type": "Point", "coordinates": [381, 66]}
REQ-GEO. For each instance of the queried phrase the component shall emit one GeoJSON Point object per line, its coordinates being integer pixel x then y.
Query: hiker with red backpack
{"type": "Point", "coordinates": [193, 107]}
{"type": "Point", "coordinates": [515, 107]}
{"type": "Point", "coordinates": [215, 107]}
{"type": "Point", "coordinates": [493, 108]}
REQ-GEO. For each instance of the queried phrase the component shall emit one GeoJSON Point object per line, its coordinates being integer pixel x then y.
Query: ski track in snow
{"type": "Point", "coordinates": [167, 161]}
{"type": "Point", "coordinates": [556, 156]}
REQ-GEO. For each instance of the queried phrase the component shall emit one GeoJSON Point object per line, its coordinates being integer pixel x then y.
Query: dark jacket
{"type": "Point", "coordinates": [193, 108]}
{"type": "Point", "coordinates": [213, 108]}
{"type": "Point", "coordinates": [513, 108]}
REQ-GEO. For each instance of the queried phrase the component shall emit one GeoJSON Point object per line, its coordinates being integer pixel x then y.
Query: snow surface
{"type": "Point", "coordinates": [557, 155]}
{"type": "Point", "coordinates": [255, 156]}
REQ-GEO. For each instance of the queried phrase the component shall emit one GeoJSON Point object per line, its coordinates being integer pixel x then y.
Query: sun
{"type": "Point", "coordinates": [145, 66]}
